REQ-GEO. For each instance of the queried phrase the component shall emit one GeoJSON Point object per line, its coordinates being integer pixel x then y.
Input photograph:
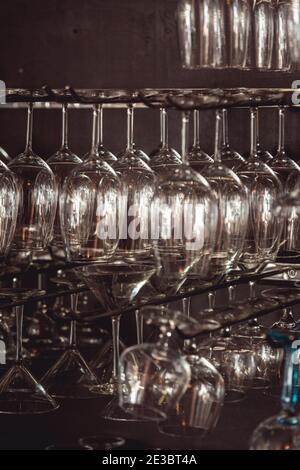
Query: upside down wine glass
{"type": "Point", "coordinates": [233, 210]}
{"type": "Point", "coordinates": [89, 207]}
{"type": "Point", "coordinates": [38, 199]}
{"type": "Point", "coordinates": [61, 163]}
{"type": "Point", "coordinates": [137, 183]}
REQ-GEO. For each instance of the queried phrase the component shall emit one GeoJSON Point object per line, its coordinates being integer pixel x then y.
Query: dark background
{"type": "Point", "coordinates": [113, 43]}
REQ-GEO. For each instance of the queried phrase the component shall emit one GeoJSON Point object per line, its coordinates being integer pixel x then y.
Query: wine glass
{"type": "Point", "coordinates": [62, 163]}
{"type": "Point", "coordinates": [20, 393]}
{"type": "Point", "coordinates": [70, 376]}
{"type": "Point", "coordinates": [130, 147]}
{"type": "Point", "coordinates": [287, 171]}
{"type": "Point", "coordinates": [263, 229]}
{"type": "Point", "coordinates": [103, 152]}
{"type": "Point", "coordinates": [38, 198]}
{"type": "Point", "coordinates": [196, 157]}
{"type": "Point", "coordinates": [233, 210]}
{"type": "Point", "coordinates": [282, 432]}
{"type": "Point", "coordinates": [89, 207]}
{"type": "Point", "coordinates": [115, 284]}
{"type": "Point", "coordinates": [229, 157]}
{"type": "Point", "coordinates": [164, 154]}
{"type": "Point", "coordinates": [137, 187]}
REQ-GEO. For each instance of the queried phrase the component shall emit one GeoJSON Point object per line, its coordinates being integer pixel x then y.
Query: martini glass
{"type": "Point", "coordinates": [115, 284]}
{"type": "Point", "coordinates": [286, 170]}
{"type": "Point", "coordinates": [131, 145]}
{"type": "Point", "coordinates": [229, 157]}
{"type": "Point", "coordinates": [20, 393]}
{"type": "Point", "coordinates": [38, 199]}
{"type": "Point", "coordinates": [196, 157]}
{"type": "Point", "coordinates": [287, 321]}
{"type": "Point", "coordinates": [62, 163]}
{"type": "Point", "coordinates": [103, 152]}
{"type": "Point", "coordinates": [164, 154]}
{"type": "Point", "coordinates": [137, 187]}
{"type": "Point", "coordinates": [70, 376]}
{"type": "Point", "coordinates": [89, 207]}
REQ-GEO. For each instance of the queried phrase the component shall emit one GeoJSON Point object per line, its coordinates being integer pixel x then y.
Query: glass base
{"type": "Point", "coordinates": [21, 394]}
{"type": "Point", "coordinates": [259, 383]}
{"type": "Point", "coordinates": [113, 412]}
{"type": "Point", "coordinates": [101, 442]}
{"type": "Point", "coordinates": [276, 433]}
{"type": "Point", "coordinates": [182, 431]}
{"type": "Point", "coordinates": [102, 365]}
{"type": "Point", "coordinates": [71, 377]}
{"type": "Point", "coordinates": [234, 396]}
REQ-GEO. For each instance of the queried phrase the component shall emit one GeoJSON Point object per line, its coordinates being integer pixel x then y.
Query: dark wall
{"type": "Point", "coordinates": [112, 43]}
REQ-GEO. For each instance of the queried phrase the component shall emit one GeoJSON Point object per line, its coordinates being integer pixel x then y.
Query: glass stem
{"type": "Point", "coordinates": [19, 327]}
{"type": "Point", "coordinates": [225, 132]}
{"type": "Point", "coordinates": [40, 283]}
{"type": "Point", "coordinates": [253, 120]}
{"type": "Point", "coordinates": [211, 301]}
{"type": "Point", "coordinates": [100, 129]}
{"type": "Point", "coordinates": [130, 119]}
{"type": "Point", "coordinates": [231, 295]}
{"type": "Point", "coordinates": [73, 329]}
{"type": "Point", "coordinates": [139, 327]}
{"type": "Point", "coordinates": [289, 393]}
{"type": "Point", "coordinates": [115, 323]}
{"type": "Point", "coordinates": [186, 310]}
{"type": "Point", "coordinates": [164, 128]}
{"type": "Point", "coordinates": [196, 142]}
{"type": "Point", "coordinates": [185, 129]}
{"type": "Point", "coordinates": [218, 137]}
{"type": "Point", "coordinates": [281, 136]}
{"type": "Point", "coordinates": [95, 129]}
{"type": "Point", "coordinates": [64, 144]}
{"type": "Point", "coordinates": [257, 131]}
{"type": "Point", "coordinates": [28, 148]}
{"type": "Point", "coordinates": [252, 286]}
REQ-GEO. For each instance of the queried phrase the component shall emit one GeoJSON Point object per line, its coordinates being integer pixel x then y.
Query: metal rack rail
{"type": "Point", "coordinates": [181, 99]}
